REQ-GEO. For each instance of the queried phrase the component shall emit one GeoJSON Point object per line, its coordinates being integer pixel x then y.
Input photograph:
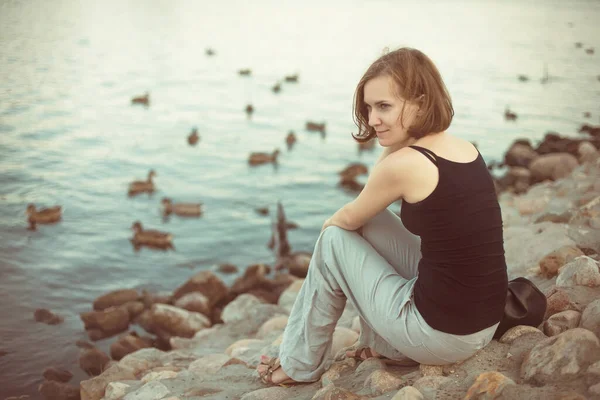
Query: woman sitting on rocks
{"type": "Point", "coordinates": [430, 285]}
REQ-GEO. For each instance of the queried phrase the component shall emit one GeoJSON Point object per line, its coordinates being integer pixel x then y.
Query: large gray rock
{"type": "Point", "coordinates": [552, 166]}
{"type": "Point", "coordinates": [177, 321]}
{"type": "Point", "coordinates": [562, 321]}
{"type": "Point", "coordinates": [561, 358]}
{"type": "Point", "coordinates": [590, 319]}
{"type": "Point", "coordinates": [583, 271]}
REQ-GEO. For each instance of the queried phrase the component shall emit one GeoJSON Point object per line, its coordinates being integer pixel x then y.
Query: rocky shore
{"type": "Point", "coordinates": [205, 339]}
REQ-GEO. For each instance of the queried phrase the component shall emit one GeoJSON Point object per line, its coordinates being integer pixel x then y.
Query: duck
{"type": "Point", "coordinates": [523, 78]}
{"type": "Point", "coordinates": [181, 209]}
{"type": "Point", "coordinates": [315, 127]}
{"type": "Point", "coordinates": [292, 78]}
{"type": "Point", "coordinates": [150, 237]}
{"type": "Point", "coordinates": [193, 137]}
{"type": "Point", "coordinates": [353, 170]}
{"type": "Point", "coordinates": [263, 158]}
{"type": "Point", "coordinates": [143, 99]}
{"type": "Point", "coordinates": [351, 184]}
{"type": "Point", "coordinates": [210, 52]}
{"type": "Point", "coordinates": [290, 139]}
{"type": "Point", "coordinates": [578, 45]}
{"type": "Point", "coordinates": [590, 50]}
{"type": "Point", "coordinates": [249, 109]}
{"type": "Point", "coordinates": [245, 72]}
{"type": "Point", "coordinates": [146, 186]}
{"type": "Point", "coordinates": [276, 88]}
{"type": "Point", "coordinates": [587, 114]}
{"type": "Point", "coordinates": [48, 215]}
{"type": "Point", "coordinates": [509, 115]}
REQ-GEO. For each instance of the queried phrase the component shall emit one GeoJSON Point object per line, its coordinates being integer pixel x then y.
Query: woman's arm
{"type": "Point", "coordinates": [384, 186]}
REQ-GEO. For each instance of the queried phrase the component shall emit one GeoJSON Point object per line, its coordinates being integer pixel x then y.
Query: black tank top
{"type": "Point", "coordinates": [462, 281]}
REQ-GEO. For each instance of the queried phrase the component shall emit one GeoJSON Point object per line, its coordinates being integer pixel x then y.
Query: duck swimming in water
{"type": "Point", "coordinates": [193, 137]}
{"type": "Point", "coordinates": [146, 186]}
{"type": "Point", "coordinates": [49, 215]}
{"type": "Point", "coordinates": [144, 99]}
{"type": "Point", "coordinates": [150, 237]}
{"type": "Point", "coordinates": [263, 158]}
{"type": "Point", "coordinates": [181, 209]}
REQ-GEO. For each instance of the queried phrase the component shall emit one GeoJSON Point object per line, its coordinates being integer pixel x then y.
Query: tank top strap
{"type": "Point", "coordinates": [427, 153]}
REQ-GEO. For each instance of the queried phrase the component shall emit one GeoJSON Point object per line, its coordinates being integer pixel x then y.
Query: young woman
{"type": "Point", "coordinates": [430, 285]}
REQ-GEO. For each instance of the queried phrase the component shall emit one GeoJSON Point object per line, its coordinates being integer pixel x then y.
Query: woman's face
{"type": "Point", "coordinates": [385, 111]}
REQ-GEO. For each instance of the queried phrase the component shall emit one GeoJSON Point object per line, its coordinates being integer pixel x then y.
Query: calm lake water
{"type": "Point", "coordinates": [69, 136]}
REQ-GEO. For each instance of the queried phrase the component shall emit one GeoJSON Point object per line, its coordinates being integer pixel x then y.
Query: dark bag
{"type": "Point", "coordinates": [525, 305]}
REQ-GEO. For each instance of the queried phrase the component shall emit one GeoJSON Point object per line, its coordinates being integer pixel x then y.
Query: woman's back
{"type": "Point", "coordinates": [462, 276]}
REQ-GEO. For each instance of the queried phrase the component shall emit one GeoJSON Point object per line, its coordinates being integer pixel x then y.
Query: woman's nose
{"type": "Point", "coordinates": [374, 119]}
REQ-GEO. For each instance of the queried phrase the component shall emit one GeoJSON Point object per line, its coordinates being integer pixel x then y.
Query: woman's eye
{"type": "Point", "coordinates": [384, 106]}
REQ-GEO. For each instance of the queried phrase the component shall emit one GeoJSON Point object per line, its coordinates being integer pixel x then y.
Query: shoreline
{"type": "Point", "coordinates": [211, 334]}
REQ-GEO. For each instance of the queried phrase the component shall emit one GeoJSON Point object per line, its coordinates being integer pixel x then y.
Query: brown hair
{"type": "Point", "coordinates": [417, 80]}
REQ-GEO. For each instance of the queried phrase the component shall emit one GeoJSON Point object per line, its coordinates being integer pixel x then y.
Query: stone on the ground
{"type": "Point", "coordinates": [381, 381]}
{"type": "Point", "coordinates": [57, 374]}
{"type": "Point", "coordinates": [583, 271]}
{"type": "Point", "coordinates": [562, 321]}
{"type": "Point", "coordinates": [408, 393]}
{"type": "Point", "coordinates": [275, 324]}
{"type": "Point", "coordinates": [127, 344]}
{"type": "Point", "coordinates": [109, 321]}
{"type": "Point", "coordinates": [331, 392]}
{"type": "Point", "coordinates": [205, 282]}
{"type": "Point", "coordinates": [488, 386]}
{"type": "Point", "coordinates": [115, 298]}
{"type": "Point", "coordinates": [551, 263]}
{"type": "Point", "coordinates": [429, 385]}
{"type": "Point", "coordinates": [94, 389]}
{"type": "Point", "coordinates": [194, 301]}
{"type": "Point", "coordinates": [561, 358]}
{"type": "Point", "coordinates": [47, 317]}
{"type": "Point", "coordinates": [176, 321]}
{"type": "Point", "coordinates": [93, 361]}
{"type": "Point", "coordinates": [342, 337]}
{"type": "Point", "coordinates": [288, 296]}
{"type": "Point", "coordinates": [269, 393]}
{"type": "Point", "coordinates": [518, 331]}
{"type": "Point", "coordinates": [559, 300]}
{"type": "Point", "coordinates": [590, 319]}
{"type": "Point", "coordinates": [153, 390]}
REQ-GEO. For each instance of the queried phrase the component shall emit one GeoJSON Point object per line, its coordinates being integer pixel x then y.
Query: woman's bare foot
{"type": "Point", "coordinates": [363, 353]}
{"type": "Point", "coordinates": [278, 376]}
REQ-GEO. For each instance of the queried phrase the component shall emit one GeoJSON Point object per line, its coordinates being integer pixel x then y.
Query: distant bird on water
{"type": "Point", "coordinates": [146, 186]}
{"type": "Point", "coordinates": [150, 237]}
{"type": "Point", "coordinates": [181, 209]}
{"type": "Point", "coordinates": [263, 158]}
{"type": "Point", "coordinates": [509, 115]}
{"type": "Point", "coordinates": [43, 216]}
{"type": "Point", "coordinates": [143, 99]}
{"type": "Point", "coordinates": [193, 137]}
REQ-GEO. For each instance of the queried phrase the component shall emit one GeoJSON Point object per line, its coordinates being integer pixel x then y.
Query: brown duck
{"type": "Point", "coordinates": [193, 137]}
{"type": "Point", "coordinates": [292, 78]}
{"type": "Point", "coordinates": [146, 186]}
{"type": "Point", "coordinates": [315, 127]}
{"type": "Point", "coordinates": [353, 170]}
{"type": "Point", "coordinates": [290, 139]}
{"type": "Point", "coordinates": [144, 99]}
{"type": "Point", "coordinates": [43, 216]}
{"type": "Point", "coordinates": [150, 237]}
{"type": "Point", "coordinates": [181, 209]}
{"type": "Point", "coordinates": [509, 115]}
{"type": "Point", "coordinates": [263, 158]}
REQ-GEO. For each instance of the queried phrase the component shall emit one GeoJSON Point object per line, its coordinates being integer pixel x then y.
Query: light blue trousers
{"type": "Point", "coordinates": [376, 272]}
